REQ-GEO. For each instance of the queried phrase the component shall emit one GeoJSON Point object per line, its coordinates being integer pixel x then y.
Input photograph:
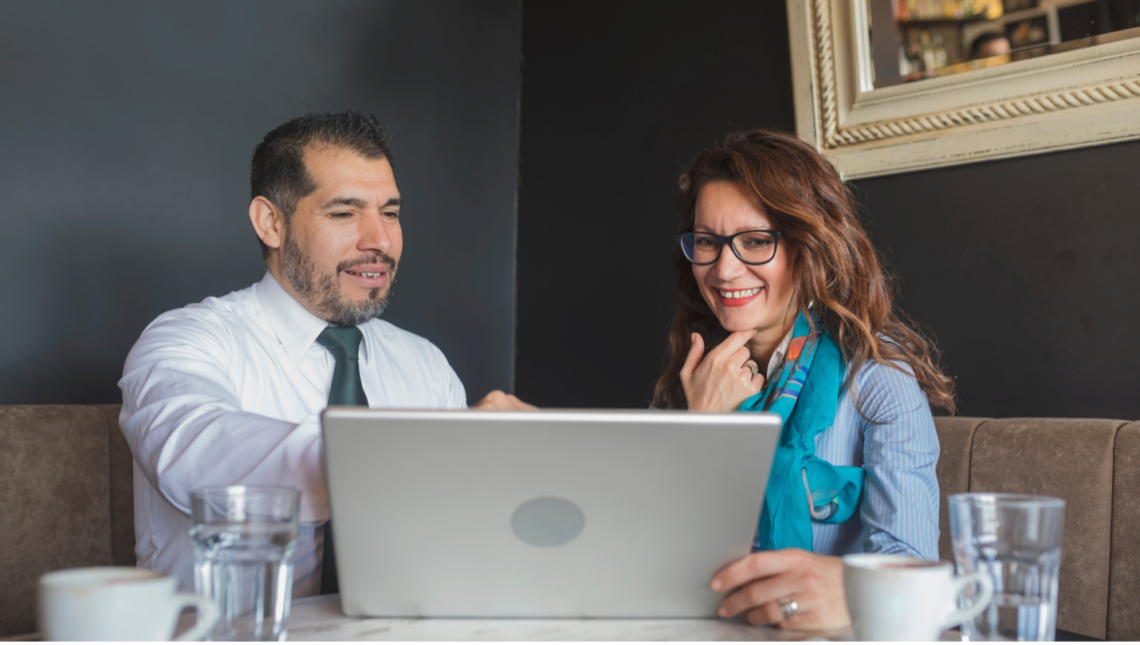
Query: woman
{"type": "Point", "coordinates": [776, 275]}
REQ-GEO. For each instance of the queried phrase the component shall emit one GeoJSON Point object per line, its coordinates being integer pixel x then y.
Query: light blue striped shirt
{"type": "Point", "coordinates": [898, 450]}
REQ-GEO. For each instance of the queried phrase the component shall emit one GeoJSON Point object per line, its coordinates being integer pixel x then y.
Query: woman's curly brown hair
{"type": "Point", "coordinates": [837, 270]}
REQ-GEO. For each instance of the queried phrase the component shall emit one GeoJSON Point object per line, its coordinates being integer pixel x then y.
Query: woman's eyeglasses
{"type": "Point", "coordinates": [750, 247]}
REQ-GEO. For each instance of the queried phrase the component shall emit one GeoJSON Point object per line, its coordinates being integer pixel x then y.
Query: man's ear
{"type": "Point", "coordinates": [268, 222]}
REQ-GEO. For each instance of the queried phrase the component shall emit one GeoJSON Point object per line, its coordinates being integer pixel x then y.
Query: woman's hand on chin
{"type": "Point", "coordinates": [723, 380]}
{"type": "Point", "coordinates": [763, 579]}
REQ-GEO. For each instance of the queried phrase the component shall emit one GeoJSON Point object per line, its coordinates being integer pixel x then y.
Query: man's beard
{"type": "Point", "coordinates": [323, 290]}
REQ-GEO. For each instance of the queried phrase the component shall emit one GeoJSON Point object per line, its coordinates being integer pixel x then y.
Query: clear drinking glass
{"type": "Point", "coordinates": [244, 537]}
{"type": "Point", "coordinates": [1017, 540]}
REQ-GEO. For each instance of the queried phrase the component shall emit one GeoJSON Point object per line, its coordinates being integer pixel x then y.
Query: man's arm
{"type": "Point", "coordinates": [183, 419]}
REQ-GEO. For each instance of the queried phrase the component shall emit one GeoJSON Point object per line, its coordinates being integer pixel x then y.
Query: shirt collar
{"type": "Point", "coordinates": [778, 355]}
{"type": "Point", "coordinates": [296, 327]}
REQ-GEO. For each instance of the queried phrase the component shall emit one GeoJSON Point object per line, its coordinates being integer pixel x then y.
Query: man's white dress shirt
{"type": "Point", "coordinates": [229, 391]}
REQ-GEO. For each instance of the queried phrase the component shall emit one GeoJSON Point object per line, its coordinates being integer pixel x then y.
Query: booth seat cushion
{"type": "Point", "coordinates": [955, 435]}
{"type": "Point", "coordinates": [1071, 459]}
{"type": "Point", "coordinates": [65, 492]}
{"type": "Point", "coordinates": [1124, 581]}
{"type": "Point", "coordinates": [122, 489]}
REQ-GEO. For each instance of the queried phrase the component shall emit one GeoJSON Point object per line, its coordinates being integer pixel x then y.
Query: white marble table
{"type": "Point", "coordinates": [320, 619]}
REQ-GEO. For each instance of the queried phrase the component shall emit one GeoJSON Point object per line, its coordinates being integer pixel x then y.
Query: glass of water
{"type": "Point", "coordinates": [1017, 540]}
{"type": "Point", "coordinates": [244, 537]}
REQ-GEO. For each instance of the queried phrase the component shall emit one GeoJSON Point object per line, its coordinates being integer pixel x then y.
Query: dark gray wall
{"type": "Point", "coordinates": [124, 149]}
{"type": "Point", "coordinates": [617, 97]}
{"type": "Point", "coordinates": [1026, 270]}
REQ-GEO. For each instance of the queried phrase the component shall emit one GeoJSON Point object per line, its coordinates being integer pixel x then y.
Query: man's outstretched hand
{"type": "Point", "coordinates": [500, 400]}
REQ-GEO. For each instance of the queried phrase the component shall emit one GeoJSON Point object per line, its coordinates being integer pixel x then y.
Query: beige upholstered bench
{"type": "Point", "coordinates": [1094, 465]}
{"type": "Point", "coordinates": [66, 501]}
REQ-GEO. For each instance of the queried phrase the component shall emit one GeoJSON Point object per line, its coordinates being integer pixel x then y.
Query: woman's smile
{"type": "Point", "coordinates": [738, 297]}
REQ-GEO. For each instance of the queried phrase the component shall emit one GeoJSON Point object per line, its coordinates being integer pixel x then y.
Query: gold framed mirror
{"type": "Point", "coordinates": [1069, 98]}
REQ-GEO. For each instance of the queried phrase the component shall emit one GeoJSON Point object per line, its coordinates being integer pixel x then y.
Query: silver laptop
{"type": "Point", "coordinates": [550, 514]}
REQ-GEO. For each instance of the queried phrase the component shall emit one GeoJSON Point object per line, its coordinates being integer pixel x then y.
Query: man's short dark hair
{"type": "Point", "coordinates": [278, 170]}
{"type": "Point", "coordinates": [983, 40]}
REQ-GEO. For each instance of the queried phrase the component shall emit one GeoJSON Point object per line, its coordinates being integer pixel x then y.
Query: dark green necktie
{"type": "Point", "coordinates": [344, 344]}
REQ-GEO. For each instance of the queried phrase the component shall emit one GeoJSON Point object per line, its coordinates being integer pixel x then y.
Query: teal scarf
{"type": "Point", "coordinates": [801, 486]}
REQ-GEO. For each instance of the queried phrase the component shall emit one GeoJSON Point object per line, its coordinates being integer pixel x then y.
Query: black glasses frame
{"type": "Point", "coordinates": [726, 240]}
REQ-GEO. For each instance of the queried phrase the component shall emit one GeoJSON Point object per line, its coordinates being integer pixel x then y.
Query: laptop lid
{"type": "Point", "coordinates": [598, 514]}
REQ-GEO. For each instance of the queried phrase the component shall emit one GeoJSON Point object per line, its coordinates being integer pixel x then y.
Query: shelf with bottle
{"type": "Point", "coordinates": [935, 21]}
{"type": "Point", "coordinates": [926, 11]}
{"type": "Point", "coordinates": [922, 51]}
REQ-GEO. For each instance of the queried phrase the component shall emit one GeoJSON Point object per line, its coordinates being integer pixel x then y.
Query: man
{"type": "Point", "coordinates": [229, 391]}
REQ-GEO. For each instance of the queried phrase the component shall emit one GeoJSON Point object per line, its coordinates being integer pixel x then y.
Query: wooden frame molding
{"type": "Point", "coordinates": [1072, 99]}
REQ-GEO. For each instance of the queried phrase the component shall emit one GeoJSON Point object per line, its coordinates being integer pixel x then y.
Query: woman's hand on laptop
{"type": "Point", "coordinates": [500, 400]}
{"type": "Point", "coordinates": [722, 379]}
{"type": "Point", "coordinates": [766, 582]}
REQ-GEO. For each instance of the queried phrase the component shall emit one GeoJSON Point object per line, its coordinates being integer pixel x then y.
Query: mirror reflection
{"type": "Point", "coordinates": [927, 38]}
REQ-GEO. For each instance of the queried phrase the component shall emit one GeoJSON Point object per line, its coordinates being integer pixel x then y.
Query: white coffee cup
{"type": "Point", "coordinates": [117, 604]}
{"type": "Point", "coordinates": [900, 598]}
